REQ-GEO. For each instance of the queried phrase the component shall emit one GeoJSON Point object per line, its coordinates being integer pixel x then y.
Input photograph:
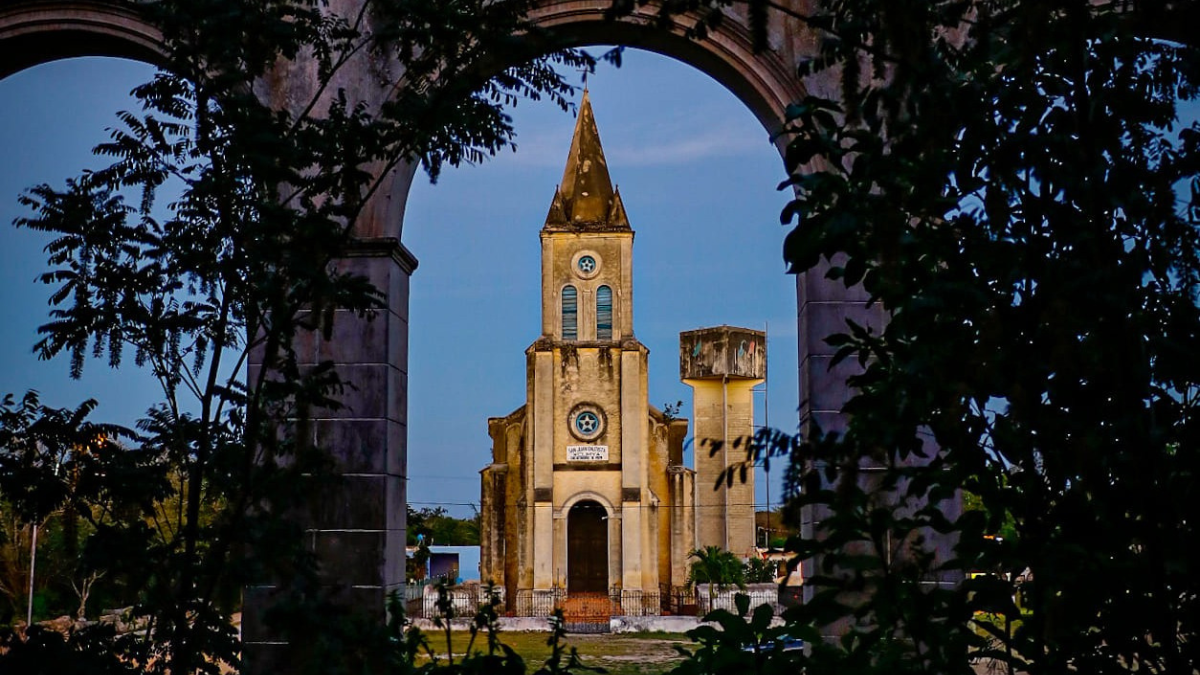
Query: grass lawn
{"type": "Point", "coordinates": [619, 654]}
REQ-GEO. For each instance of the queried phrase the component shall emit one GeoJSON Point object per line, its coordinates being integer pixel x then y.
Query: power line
{"type": "Point", "coordinates": [515, 506]}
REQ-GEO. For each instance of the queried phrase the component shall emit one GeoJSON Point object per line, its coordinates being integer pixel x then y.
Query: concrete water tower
{"type": "Point", "coordinates": [722, 365]}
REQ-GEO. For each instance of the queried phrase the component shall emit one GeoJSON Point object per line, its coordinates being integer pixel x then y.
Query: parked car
{"type": "Point", "coordinates": [785, 643]}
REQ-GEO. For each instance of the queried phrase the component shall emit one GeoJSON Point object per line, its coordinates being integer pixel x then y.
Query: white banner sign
{"type": "Point", "coordinates": [587, 453]}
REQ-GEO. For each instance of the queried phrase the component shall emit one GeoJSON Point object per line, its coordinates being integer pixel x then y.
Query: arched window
{"type": "Point", "coordinates": [570, 313]}
{"type": "Point", "coordinates": [604, 313]}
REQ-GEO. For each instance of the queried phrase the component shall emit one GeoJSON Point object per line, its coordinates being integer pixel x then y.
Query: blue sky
{"type": "Point", "coordinates": [697, 174]}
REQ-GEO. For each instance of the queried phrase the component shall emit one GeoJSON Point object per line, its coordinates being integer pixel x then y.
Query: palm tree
{"type": "Point", "coordinates": [716, 567]}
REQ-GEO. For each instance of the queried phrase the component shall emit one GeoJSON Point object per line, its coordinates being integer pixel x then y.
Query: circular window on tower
{"type": "Point", "coordinates": [587, 264]}
{"type": "Point", "coordinates": [586, 422]}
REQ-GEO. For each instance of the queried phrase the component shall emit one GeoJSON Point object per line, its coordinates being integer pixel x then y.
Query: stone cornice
{"type": "Point", "coordinates": [380, 247]}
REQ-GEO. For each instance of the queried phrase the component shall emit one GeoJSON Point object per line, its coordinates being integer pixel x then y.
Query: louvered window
{"type": "Point", "coordinates": [570, 313]}
{"type": "Point", "coordinates": [604, 313]}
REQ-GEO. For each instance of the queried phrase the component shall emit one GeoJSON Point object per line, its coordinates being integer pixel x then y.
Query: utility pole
{"type": "Point", "coordinates": [33, 552]}
{"type": "Point", "coordinates": [32, 566]}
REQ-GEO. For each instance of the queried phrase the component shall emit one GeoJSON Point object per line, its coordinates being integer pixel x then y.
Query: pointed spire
{"type": "Point", "coordinates": [557, 214]}
{"type": "Point", "coordinates": [586, 200]}
{"type": "Point", "coordinates": [586, 191]}
{"type": "Point", "coordinates": [616, 215]}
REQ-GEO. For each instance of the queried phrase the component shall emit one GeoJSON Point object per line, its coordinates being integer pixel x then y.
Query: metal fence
{"type": "Point", "coordinates": [726, 599]}
{"type": "Point", "coordinates": [678, 601]}
{"type": "Point", "coordinates": [543, 602]}
{"type": "Point", "coordinates": [422, 600]}
{"type": "Point", "coordinates": [540, 602]}
{"type": "Point", "coordinates": [464, 601]}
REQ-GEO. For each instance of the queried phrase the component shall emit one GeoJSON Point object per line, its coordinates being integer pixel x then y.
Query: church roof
{"type": "Point", "coordinates": [586, 200]}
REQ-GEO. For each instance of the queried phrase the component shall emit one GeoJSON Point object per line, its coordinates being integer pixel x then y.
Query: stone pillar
{"type": "Point", "coordinates": [616, 549]}
{"type": "Point", "coordinates": [543, 545]}
{"type": "Point", "coordinates": [824, 306]}
{"type": "Point", "coordinates": [492, 528]}
{"type": "Point", "coordinates": [722, 366]}
{"type": "Point", "coordinates": [357, 528]}
{"type": "Point", "coordinates": [541, 532]}
{"type": "Point", "coordinates": [683, 521]}
{"type": "Point", "coordinates": [633, 466]}
{"type": "Point", "coordinates": [559, 518]}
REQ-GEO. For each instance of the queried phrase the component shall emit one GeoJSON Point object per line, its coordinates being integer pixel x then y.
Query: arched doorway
{"type": "Point", "coordinates": [587, 548]}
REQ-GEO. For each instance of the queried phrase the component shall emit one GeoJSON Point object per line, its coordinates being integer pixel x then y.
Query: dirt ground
{"type": "Point", "coordinates": [620, 654]}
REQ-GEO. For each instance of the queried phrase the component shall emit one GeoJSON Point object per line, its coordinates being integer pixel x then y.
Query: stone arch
{"type": "Point", "coordinates": [561, 531]}
{"type": "Point", "coordinates": [588, 547]}
{"type": "Point", "coordinates": [32, 33]}
{"type": "Point", "coordinates": [1173, 21]}
{"type": "Point", "coordinates": [39, 31]}
{"type": "Point", "coordinates": [764, 81]}
{"type": "Point", "coordinates": [583, 496]}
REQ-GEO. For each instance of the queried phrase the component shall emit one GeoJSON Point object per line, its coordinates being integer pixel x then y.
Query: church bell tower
{"type": "Point", "coordinates": [580, 492]}
{"type": "Point", "coordinates": [588, 399]}
{"type": "Point", "coordinates": [587, 249]}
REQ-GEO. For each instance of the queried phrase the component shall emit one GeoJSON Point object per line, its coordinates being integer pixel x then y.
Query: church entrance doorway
{"type": "Point", "coordinates": [587, 548]}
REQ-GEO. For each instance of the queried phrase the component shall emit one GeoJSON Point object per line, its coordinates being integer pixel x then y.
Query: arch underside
{"type": "Point", "coordinates": [763, 81]}
{"type": "Point", "coordinates": [33, 32]}
{"type": "Point", "coordinates": [586, 496]}
{"type": "Point", "coordinates": [38, 31]}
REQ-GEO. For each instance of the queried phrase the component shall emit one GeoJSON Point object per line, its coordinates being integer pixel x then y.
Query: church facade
{"type": "Point", "coordinates": [587, 491]}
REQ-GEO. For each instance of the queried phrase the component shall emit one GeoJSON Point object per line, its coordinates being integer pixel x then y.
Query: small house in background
{"type": "Point", "coordinates": [455, 563]}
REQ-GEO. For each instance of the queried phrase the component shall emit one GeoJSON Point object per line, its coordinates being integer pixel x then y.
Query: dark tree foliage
{"type": "Point", "coordinates": [746, 642]}
{"type": "Point", "coordinates": [237, 270]}
{"type": "Point", "coordinates": [53, 459]}
{"type": "Point", "coordinates": [1008, 180]}
{"type": "Point", "coordinates": [436, 526]}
